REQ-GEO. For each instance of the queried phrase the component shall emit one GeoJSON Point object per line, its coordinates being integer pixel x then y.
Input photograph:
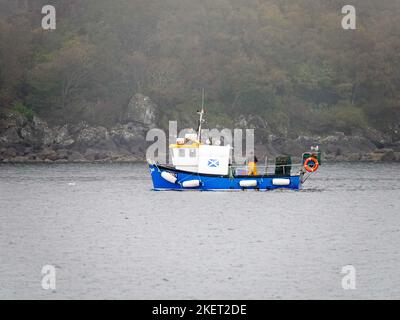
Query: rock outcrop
{"type": "Point", "coordinates": [366, 145]}
{"type": "Point", "coordinates": [22, 140]}
{"type": "Point", "coordinates": [141, 110]}
{"type": "Point", "coordinates": [335, 147]}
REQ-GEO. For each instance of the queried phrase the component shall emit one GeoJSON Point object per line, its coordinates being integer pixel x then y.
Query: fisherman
{"type": "Point", "coordinates": [252, 164]}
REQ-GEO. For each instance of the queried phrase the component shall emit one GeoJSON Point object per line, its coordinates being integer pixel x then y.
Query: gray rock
{"type": "Point", "coordinates": [9, 153]}
{"type": "Point", "coordinates": [4, 123]}
{"type": "Point", "coordinates": [253, 121]}
{"type": "Point", "coordinates": [76, 143]}
{"type": "Point", "coordinates": [107, 144]}
{"type": "Point", "coordinates": [48, 154]}
{"type": "Point", "coordinates": [113, 156]}
{"type": "Point", "coordinates": [383, 150]}
{"type": "Point", "coordinates": [90, 136]}
{"type": "Point", "coordinates": [26, 133]}
{"type": "Point", "coordinates": [138, 148]}
{"type": "Point", "coordinates": [380, 155]}
{"type": "Point", "coordinates": [90, 155]}
{"type": "Point", "coordinates": [342, 144]}
{"type": "Point", "coordinates": [378, 138]}
{"type": "Point", "coordinates": [389, 156]}
{"type": "Point", "coordinates": [373, 157]}
{"type": "Point", "coordinates": [67, 143]}
{"type": "Point", "coordinates": [130, 158]}
{"type": "Point", "coordinates": [126, 134]}
{"type": "Point", "coordinates": [354, 157]}
{"type": "Point", "coordinates": [13, 120]}
{"type": "Point", "coordinates": [241, 122]}
{"type": "Point", "coordinates": [76, 128]}
{"type": "Point", "coordinates": [95, 155]}
{"type": "Point", "coordinates": [28, 150]}
{"type": "Point", "coordinates": [75, 157]}
{"type": "Point", "coordinates": [42, 131]}
{"type": "Point", "coordinates": [140, 110]}
{"type": "Point", "coordinates": [61, 134]}
{"type": "Point", "coordinates": [62, 137]}
{"type": "Point", "coordinates": [10, 137]}
{"type": "Point", "coordinates": [62, 154]}
{"type": "Point", "coordinates": [20, 159]}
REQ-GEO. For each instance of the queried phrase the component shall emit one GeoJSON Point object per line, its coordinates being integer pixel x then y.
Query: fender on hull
{"type": "Point", "coordinates": [185, 181]}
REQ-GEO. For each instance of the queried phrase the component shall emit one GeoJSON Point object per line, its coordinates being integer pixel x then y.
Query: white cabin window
{"type": "Point", "coordinates": [182, 153]}
{"type": "Point", "coordinates": [192, 153]}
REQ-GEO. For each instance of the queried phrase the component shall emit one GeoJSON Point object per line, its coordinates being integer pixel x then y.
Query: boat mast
{"type": "Point", "coordinates": [201, 117]}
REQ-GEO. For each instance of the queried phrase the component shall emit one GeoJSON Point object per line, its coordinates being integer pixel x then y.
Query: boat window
{"type": "Point", "coordinates": [182, 152]}
{"type": "Point", "coordinates": [192, 153]}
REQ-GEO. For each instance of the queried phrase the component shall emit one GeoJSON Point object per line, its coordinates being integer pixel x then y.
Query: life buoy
{"type": "Point", "coordinates": [313, 167]}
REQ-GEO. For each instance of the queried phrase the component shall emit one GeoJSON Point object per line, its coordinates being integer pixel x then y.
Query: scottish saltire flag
{"type": "Point", "coordinates": [213, 163]}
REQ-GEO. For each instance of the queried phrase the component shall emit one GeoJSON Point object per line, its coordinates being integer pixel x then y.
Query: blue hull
{"type": "Point", "coordinates": [215, 182]}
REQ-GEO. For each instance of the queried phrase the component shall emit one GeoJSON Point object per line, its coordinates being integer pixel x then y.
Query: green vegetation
{"type": "Point", "coordinates": [286, 61]}
{"type": "Point", "coordinates": [19, 108]}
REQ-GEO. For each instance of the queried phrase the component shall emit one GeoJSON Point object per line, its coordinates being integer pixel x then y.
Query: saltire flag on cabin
{"type": "Point", "coordinates": [213, 163]}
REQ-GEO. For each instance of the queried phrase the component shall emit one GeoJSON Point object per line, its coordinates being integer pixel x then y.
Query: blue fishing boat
{"type": "Point", "coordinates": [198, 165]}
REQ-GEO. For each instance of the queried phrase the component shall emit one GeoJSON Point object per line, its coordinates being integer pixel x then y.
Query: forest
{"type": "Point", "coordinates": [287, 62]}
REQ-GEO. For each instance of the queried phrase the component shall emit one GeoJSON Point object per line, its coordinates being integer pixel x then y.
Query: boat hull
{"type": "Point", "coordinates": [219, 183]}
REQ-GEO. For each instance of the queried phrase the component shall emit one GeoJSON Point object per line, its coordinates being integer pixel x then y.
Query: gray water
{"type": "Point", "coordinates": [109, 236]}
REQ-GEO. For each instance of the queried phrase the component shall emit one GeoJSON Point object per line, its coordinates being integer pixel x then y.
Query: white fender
{"type": "Point", "coordinates": [168, 176]}
{"type": "Point", "coordinates": [280, 182]}
{"type": "Point", "coordinates": [191, 184]}
{"type": "Point", "coordinates": [248, 183]}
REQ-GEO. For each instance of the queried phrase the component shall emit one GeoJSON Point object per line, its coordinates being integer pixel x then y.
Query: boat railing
{"type": "Point", "coordinates": [268, 169]}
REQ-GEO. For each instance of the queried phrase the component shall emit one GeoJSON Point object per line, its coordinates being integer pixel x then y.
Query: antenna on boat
{"type": "Point", "coordinates": [201, 117]}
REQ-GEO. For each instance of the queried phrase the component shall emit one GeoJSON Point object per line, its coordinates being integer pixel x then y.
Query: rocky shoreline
{"type": "Point", "coordinates": [339, 148]}
{"type": "Point", "coordinates": [34, 141]}
{"type": "Point", "coordinates": [125, 143]}
{"type": "Point", "coordinates": [31, 141]}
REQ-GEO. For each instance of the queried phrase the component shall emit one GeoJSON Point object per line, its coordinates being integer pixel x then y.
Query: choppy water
{"type": "Point", "coordinates": [109, 236]}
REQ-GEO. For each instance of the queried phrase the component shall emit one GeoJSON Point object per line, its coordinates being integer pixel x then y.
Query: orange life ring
{"type": "Point", "coordinates": [315, 165]}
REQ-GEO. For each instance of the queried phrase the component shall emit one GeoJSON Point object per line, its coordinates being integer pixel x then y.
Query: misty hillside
{"type": "Point", "coordinates": [287, 62]}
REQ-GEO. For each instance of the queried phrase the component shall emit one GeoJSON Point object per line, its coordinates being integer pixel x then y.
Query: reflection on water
{"type": "Point", "coordinates": [110, 236]}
